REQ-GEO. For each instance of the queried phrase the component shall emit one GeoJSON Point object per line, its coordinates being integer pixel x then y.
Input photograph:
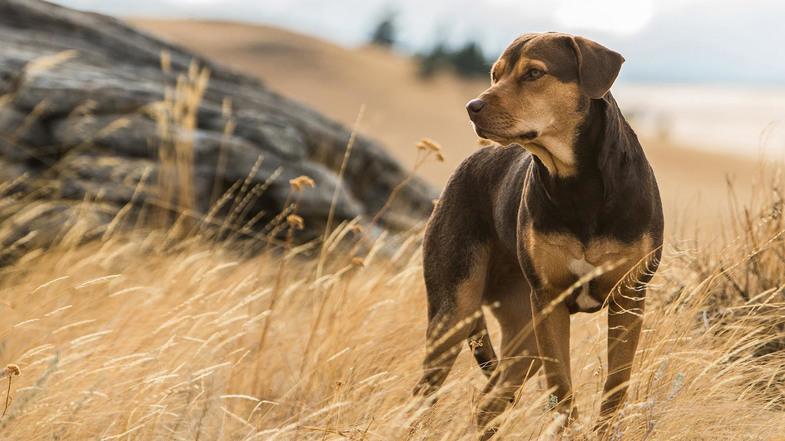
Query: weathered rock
{"type": "Point", "coordinates": [81, 96]}
{"type": "Point", "coordinates": [11, 171]}
{"type": "Point", "coordinates": [22, 128]}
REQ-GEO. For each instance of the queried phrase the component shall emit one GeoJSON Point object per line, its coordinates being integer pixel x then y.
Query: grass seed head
{"type": "Point", "coordinates": [11, 370]}
{"type": "Point", "coordinates": [301, 182]}
{"type": "Point", "coordinates": [295, 221]}
{"type": "Point", "coordinates": [429, 145]}
{"type": "Point", "coordinates": [482, 142]}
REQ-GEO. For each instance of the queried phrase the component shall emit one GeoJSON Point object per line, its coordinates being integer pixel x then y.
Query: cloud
{"type": "Point", "coordinates": [612, 16]}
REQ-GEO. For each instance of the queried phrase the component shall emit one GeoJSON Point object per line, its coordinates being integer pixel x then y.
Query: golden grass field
{"type": "Point", "coordinates": [156, 335]}
{"type": "Point", "coordinates": [165, 333]}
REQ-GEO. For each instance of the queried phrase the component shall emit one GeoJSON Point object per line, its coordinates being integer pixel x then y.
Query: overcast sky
{"type": "Point", "coordinates": [707, 41]}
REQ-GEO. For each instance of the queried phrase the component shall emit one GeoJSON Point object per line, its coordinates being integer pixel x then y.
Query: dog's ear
{"type": "Point", "coordinates": [598, 66]}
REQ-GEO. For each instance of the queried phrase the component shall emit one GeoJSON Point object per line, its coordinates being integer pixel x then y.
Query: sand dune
{"type": "Point", "coordinates": [400, 109]}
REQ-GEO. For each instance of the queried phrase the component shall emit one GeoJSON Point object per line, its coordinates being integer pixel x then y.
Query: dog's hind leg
{"type": "Point", "coordinates": [454, 307]}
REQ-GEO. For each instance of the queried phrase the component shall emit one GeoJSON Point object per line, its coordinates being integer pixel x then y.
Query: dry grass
{"type": "Point", "coordinates": [130, 339]}
{"type": "Point", "coordinates": [157, 334]}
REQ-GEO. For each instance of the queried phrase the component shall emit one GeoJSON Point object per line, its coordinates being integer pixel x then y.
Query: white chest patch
{"type": "Point", "coordinates": [580, 268]}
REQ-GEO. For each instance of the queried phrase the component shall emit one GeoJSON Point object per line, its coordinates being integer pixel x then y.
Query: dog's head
{"type": "Point", "coordinates": [541, 87]}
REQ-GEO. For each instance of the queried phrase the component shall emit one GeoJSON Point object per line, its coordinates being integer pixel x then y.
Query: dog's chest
{"type": "Point", "coordinates": [583, 298]}
{"type": "Point", "coordinates": [561, 261]}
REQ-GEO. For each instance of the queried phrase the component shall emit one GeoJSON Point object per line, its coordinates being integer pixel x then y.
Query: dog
{"type": "Point", "coordinates": [563, 216]}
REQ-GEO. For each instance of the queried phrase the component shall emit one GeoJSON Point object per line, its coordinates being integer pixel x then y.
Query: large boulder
{"type": "Point", "coordinates": [91, 110]}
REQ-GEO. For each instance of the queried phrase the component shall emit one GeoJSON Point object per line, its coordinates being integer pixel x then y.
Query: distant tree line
{"type": "Point", "coordinates": [467, 60]}
{"type": "Point", "coordinates": [384, 33]}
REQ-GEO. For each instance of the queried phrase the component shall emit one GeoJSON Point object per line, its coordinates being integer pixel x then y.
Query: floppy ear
{"type": "Point", "coordinates": [598, 66]}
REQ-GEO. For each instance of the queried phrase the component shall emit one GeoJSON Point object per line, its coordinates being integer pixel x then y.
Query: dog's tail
{"type": "Point", "coordinates": [482, 348]}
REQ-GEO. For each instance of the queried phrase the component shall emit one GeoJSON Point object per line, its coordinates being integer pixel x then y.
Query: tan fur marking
{"type": "Point", "coordinates": [469, 291]}
{"type": "Point", "coordinates": [636, 258]}
{"type": "Point", "coordinates": [524, 64]}
{"type": "Point", "coordinates": [552, 255]}
{"type": "Point", "coordinates": [544, 107]}
{"type": "Point", "coordinates": [498, 68]}
{"type": "Point", "coordinates": [558, 135]}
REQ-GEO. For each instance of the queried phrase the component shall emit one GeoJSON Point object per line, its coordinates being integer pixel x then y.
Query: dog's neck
{"type": "Point", "coordinates": [601, 154]}
{"type": "Point", "coordinates": [555, 154]}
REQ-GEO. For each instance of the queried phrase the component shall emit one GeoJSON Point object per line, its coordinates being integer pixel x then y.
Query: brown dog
{"type": "Point", "coordinates": [568, 223]}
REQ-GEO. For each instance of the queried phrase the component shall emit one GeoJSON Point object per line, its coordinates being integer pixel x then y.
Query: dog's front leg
{"type": "Point", "coordinates": [625, 317]}
{"type": "Point", "coordinates": [552, 332]}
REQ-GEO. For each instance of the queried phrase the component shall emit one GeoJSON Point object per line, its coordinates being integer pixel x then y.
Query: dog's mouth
{"type": "Point", "coordinates": [483, 132]}
{"type": "Point", "coordinates": [527, 136]}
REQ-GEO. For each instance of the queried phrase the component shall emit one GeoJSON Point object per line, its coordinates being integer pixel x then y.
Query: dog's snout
{"type": "Point", "coordinates": [474, 106]}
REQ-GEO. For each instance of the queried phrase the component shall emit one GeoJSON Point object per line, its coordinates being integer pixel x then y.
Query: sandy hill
{"type": "Point", "coordinates": [400, 109]}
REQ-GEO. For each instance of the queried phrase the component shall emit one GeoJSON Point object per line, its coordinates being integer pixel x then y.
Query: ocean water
{"type": "Point", "coordinates": [746, 121]}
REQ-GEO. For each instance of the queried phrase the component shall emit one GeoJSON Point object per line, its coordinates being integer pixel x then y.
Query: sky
{"type": "Point", "coordinates": [674, 41]}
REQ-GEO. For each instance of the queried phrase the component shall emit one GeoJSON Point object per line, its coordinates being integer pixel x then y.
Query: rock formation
{"type": "Point", "coordinates": [95, 116]}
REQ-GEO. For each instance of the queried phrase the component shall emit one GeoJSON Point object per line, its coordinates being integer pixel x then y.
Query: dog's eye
{"type": "Point", "coordinates": [533, 74]}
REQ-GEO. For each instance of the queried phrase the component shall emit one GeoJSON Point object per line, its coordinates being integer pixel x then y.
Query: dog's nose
{"type": "Point", "coordinates": [475, 105]}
